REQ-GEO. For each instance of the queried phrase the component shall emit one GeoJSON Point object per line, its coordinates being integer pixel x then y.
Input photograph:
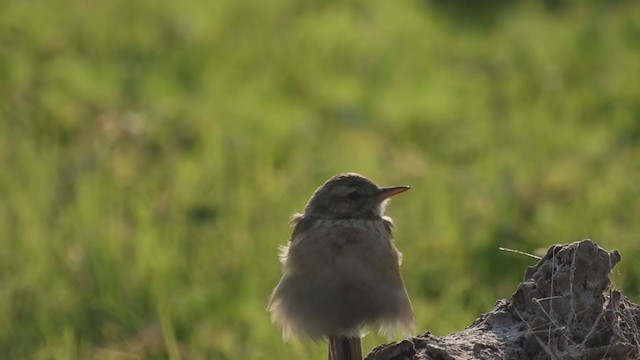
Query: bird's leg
{"type": "Point", "coordinates": [344, 348]}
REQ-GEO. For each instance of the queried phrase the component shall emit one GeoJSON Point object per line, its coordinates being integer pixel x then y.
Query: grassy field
{"type": "Point", "coordinates": [153, 151]}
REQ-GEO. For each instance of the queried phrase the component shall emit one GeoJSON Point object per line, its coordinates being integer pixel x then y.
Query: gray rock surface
{"type": "Point", "coordinates": [564, 309]}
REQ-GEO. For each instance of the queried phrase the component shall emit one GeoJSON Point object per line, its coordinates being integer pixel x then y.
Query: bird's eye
{"type": "Point", "coordinates": [354, 195]}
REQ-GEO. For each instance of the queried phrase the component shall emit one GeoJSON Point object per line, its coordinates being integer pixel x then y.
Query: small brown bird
{"type": "Point", "coordinates": [341, 269]}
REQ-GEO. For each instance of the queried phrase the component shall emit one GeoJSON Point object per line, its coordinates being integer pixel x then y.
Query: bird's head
{"type": "Point", "coordinates": [350, 196]}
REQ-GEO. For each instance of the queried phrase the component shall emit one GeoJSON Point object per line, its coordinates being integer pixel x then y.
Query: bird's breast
{"type": "Point", "coordinates": [345, 247]}
{"type": "Point", "coordinates": [351, 233]}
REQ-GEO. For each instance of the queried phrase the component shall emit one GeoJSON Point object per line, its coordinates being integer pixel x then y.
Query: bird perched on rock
{"type": "Point", "coordinates": [341, 269]}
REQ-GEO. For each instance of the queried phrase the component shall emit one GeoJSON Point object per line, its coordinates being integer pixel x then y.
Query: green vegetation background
{"type": "Point", "coordinates": [153, 151]}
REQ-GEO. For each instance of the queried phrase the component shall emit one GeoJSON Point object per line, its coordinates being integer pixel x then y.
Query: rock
{"type": "Point", "coordinates": [564, 309]}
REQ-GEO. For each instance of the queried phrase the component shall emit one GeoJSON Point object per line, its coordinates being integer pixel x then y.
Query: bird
{"type": "Point", "coordinates": [341, 269]}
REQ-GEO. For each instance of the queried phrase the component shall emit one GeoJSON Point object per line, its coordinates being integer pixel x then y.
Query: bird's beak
{"type": "Point", "coordinates": [387, 192]}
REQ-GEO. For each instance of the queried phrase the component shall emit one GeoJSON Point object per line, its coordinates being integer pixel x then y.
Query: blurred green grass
{"type": "Point", "coordinates": [153, 151]}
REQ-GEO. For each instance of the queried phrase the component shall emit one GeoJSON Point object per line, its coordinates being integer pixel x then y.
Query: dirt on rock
{"type": "Point", "coordinates": [564, 309]}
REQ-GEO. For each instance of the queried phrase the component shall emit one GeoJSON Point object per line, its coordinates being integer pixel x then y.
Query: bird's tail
{"type": "Point", "coordinates": [344, 348]}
